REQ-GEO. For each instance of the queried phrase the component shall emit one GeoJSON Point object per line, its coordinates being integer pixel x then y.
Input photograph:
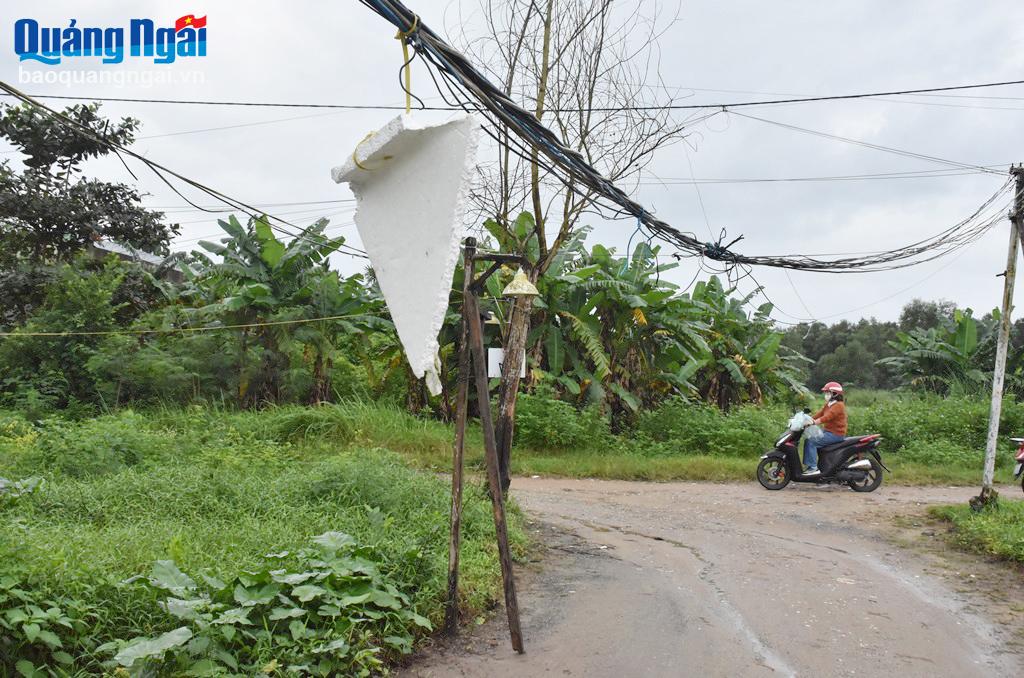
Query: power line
{"type": "Point", "coordinates": [217, 208]}
{"type": "Point", "coordinates": [293, 213]}
{"type": "Point", "coordinates": [921, 174]}
{"type": "Point", "coordinates": [866, 144]}
{"type": "Point", "coordinates": [529, 138]}
{"type": "Point", "coordinates": [163, 171]}
{"type": "Point", "coordinates": [378, 107]}
{"type": "Point", "coordinates": [207, 236]}
{"type": "Point", "coordinates": [177, 330]}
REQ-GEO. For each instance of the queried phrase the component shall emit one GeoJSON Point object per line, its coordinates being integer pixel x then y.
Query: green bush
{"type": "Point", "coordinates": [93, 447]}
{"type": "Point", "coordinates": [323, 611]}
{"type": "Point", "coordinates": [215, 492]}
{"type": "Point", "coordinates": [544, 422]}
{"type": "Point", "coordinates": [997, 531]}
{"type": "Point", "coordinates": [700, 429]}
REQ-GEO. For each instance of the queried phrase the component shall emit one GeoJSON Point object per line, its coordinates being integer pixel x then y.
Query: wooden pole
{"type": "Point", "coordinates": [471, 313]}
{"type": "Point", "coordinates": [451, 611]}
{"type": "Point", "coordinates": [988, 493]}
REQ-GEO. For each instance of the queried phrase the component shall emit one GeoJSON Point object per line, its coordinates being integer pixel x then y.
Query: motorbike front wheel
{"type": "Point", "coordinates": [772, 474]}
{"type": "Point", "coordinates": [872, 479]}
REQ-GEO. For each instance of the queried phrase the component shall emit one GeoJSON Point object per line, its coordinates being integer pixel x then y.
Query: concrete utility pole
{"type": "Point", "coordinates": [988, 494]}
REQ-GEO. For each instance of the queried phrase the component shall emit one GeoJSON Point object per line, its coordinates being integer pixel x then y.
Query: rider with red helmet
{"type": "Point", "coordinates": [832, 419]}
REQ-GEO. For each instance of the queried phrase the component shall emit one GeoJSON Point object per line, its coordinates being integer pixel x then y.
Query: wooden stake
{"type": "Point", "coordinates": [988, 493]}
{"type": "Point", "coordinates": [471, 314]}
{"type": "Point", "coordinates": [451, 611]}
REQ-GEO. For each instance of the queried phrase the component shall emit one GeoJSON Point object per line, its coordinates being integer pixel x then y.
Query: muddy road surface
{"type": "Point", "coordinates": [701, 579]}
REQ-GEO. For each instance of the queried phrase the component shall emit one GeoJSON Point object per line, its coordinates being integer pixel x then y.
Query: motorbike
{"type": "Point", "coordinates": [1018, 471]}
{"type": "Point", "coordinates": [854, 461]}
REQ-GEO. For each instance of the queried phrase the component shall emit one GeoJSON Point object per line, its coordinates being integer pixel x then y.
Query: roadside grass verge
{"type": "Point", "coordinates": [996, 532]}
{"type": "Point", "coordinates": [215, 492]}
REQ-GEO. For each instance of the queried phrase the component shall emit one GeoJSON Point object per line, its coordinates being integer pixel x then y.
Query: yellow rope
{"type": "Point", "coordinates": [355, 157]}
{"type": "Point", "coordinates": [403, 37]}
{"type": "Point", "coordinates": [103, 333]}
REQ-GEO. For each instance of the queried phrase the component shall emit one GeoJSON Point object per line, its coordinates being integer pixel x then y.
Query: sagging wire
{"type": "Point", "coordinates": [162, 172]}
{"type": "Point", "coordinates": [578, 175]}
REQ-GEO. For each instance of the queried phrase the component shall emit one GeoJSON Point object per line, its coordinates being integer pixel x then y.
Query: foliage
{"type": "Point", "coordinates": [214, 492]}
{"type": "Point", "coordinates": [47, 211]}
{"type": "Point", "coordinates": [322, 611]}
{"type": "Point", "coordinates": [55, 367]}
{"type": "Point", "coordinates": [998, 531]}
{"type": "Point", "coordinates": [258, 280]}
{"type": "Point", "coordinates": [610, 331]}
{"type": "Point", "coordinates": [940, 358]}
{"type": "Point", "coordinates": [745, 361]}
{"type": "Point", "coordinates": [543, 422]}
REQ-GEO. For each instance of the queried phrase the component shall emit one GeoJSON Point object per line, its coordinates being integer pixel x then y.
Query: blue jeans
{"type": "Point", "coordinates": [811, 447]}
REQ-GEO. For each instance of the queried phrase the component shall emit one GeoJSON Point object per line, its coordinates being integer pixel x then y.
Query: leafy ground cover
{"type": "Point", "coordinates": [208, 543]}
{"type": "Point", "coordinates": [217, 542]}
{"type": "Point", "coordinates": [998, 532]}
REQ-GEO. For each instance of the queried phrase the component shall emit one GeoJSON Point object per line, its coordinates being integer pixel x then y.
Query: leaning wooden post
{"type": "Point", "coordinates": [988, 494]}
{"type": "Point", "coordinates": [451, 611]}
{"type": "Point", "coordinates": [471, 314]}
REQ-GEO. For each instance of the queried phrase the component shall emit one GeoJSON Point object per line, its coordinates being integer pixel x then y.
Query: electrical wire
{"type": "Point", "coordinates": [175, 330]}
{"type": "Point", "coordinates": [865, 144]}
{"type": "Point", "coordinates": [162, 172]}
{"type": "Point", "coordinates": [532, 139]}
{"type": "Point", "coordinates": [378, 107]}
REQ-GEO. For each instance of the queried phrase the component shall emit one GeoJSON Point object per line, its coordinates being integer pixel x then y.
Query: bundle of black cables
{"type": "Point", "coordinates": [473, 92]}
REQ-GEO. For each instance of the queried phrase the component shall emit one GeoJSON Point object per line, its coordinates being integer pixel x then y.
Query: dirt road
{"type": "Point", "coordinates": [700, 579]}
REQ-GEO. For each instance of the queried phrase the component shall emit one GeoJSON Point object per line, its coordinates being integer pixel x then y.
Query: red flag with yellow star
{"type": "Point", "coordinates": [189, 21]}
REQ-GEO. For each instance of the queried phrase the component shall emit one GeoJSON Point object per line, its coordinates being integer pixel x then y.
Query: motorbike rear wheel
{"type": "Point", "coordinates": [772, 474]}
{"type": "Point", "coordinates": [871, 481]}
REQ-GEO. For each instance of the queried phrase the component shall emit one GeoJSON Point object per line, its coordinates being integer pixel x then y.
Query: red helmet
{"type": "Point", "coordinates": [833, 386]}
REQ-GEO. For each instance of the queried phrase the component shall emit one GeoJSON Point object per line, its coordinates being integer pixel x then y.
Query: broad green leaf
{"type": "Point", "coordinates": [308, 592]}
{"type": "Point", "coordinates": [422, 622]}
{"type": "Point", "coordinates": [50, 638]}
{"type": "Point", "coordinates": [236, 615]}
{"type": "Point", "coordinates": [279, 613]}
{"type": "Point", "coordinates": [249, 596]}
{"type": "Point", "coordinates": [733, 369]}
{"type": "Point", "coordinates": [183, 609]}
{"type": "Point", "coordinates": [384, 599]}
{"type": "Point", "coordinates": [167, 576]}
{"type": "Point", "coordinates": [292, 579]}
{"type": "Point", "coordinates": [334, 541]}
{"type": "Point", "coordinates": [271, 252]}
{"type": "Point", "coordinates": [631, 400]}
{"type": "Point", "coordinates": [338, 648]}
{"type": "Point", "coordinates": [297, 629]}
{"type": "Point", "coordinates": [142, 648]}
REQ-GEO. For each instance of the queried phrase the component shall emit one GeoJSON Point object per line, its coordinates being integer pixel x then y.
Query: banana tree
{"type": "Point", "coordinates": [939, 358]}
{"type": "Point", "coordinates": [610, 330]}
{"type": "Point", "coordinates": [267, 285]}
{"type": "Point", "coordinates": [745, 360]}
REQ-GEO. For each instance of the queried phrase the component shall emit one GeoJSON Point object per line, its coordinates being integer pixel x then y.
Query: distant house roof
{"type": "Point", "coordinates": [101, 248]}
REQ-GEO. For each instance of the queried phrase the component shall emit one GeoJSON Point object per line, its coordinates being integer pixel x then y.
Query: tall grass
{"type": "Point", "coordinates": [216, 491]}
{"type": "Point", "coordinates": [996, 531]}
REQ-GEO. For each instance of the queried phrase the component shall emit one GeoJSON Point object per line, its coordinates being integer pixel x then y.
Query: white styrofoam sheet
{"type": "Point", "coordinates": [411, 184]}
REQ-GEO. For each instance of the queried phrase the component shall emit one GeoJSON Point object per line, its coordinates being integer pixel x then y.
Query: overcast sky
{"type": "Point", "coordinates": [340, 52]}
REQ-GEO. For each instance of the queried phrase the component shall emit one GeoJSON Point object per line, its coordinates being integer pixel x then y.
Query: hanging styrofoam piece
{"type": "Point", "coordinates": [411, 183]}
